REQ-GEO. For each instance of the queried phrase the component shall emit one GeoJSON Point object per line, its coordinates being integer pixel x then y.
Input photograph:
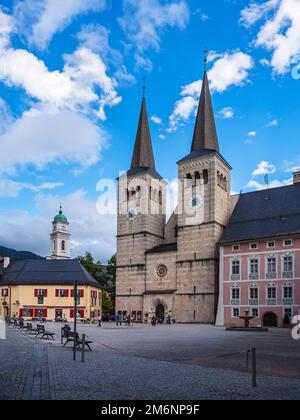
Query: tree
{"type": "Point", "coordinates": [286, 320]}
{"type": "Point", "coordinates": [107, 303]}
{"type": "Point", "coordinates": [105, 276]}
{"type": "Point", "coordinates": [94, 268]}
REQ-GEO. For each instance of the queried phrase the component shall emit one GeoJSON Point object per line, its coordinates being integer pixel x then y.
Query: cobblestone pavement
{"type": "Point", "coordinates": [126, 365]}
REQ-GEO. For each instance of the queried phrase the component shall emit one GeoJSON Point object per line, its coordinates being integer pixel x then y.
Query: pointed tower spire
{"type": "Point", "coordinates": [205, 134]}
{"type": "Point", "coordinates": [143, 151]}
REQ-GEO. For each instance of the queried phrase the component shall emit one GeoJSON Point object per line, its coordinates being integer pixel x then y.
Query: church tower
{"type": "Point", "coordinates": [204, 208]}
{"type": "Point", "coordinates": [141, 220]}
{"type": "Point", "coordinates": [60, 237]}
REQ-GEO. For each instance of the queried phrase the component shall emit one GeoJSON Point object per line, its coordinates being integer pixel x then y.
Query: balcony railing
{"type": "Point", "coordinates": [271, 276]}
{"type": "Point", "coordinates": [288, 302]}
{"type": "Point", "coordinates": [236, 277]}
{"type": "Point", "coordinates": [271, 302]}
{"type": "Point", "coordinates": [253, 277]}
{"type": "Point", "coordinates": [235, 302]}
{"type": "Point", "coordinates": [253, 302]}
{"type": "Point", "coordinates": [287, 275]}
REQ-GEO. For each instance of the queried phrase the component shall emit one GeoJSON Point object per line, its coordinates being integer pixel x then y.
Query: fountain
{"type": "Point", "coordinates": [247, 318]}
{"type": "Point", "coordinates": [247, 328]}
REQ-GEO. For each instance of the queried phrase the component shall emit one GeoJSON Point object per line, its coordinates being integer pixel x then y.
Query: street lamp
{"type": "Point", "coordinates": [75, 319]}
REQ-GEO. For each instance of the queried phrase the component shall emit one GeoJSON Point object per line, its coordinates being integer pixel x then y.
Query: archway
{"type": "Point", "coordinates": [160, 311]}
{"type": "Point", "coordinates": [270, 320]}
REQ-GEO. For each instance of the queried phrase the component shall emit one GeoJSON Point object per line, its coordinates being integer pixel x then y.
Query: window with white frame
{"type": "Point", "coordinates": [236, 267]}
{"type": "Point", "coordinates": [254, 246]}
{"type": "Point", "coordinates": [236, 248]}
{"type": "Point", "coordinates": [272, 293]}
{"type": "Point", "coordinates": [288, 264]}
{"type": "Point", "coordinates": [288, 242]}
{"type": "Point", "coordinates": [254, 266]}
{"type": "Point", "coordinates": [253, 293]}
{"type": "Point", "coordinates": [271, 265]}
{"type": "Point", "coordinates": [254, 312]}
{"type": "Point", "coordinates": [236, 312]}
{"type": "Point", "coordinates": [271, 244]}
{"type": "Point", "coordinates": [288, 312]}
{"type": "Point", "coordinates": [288, 292]}
{"type": "Point", "coordinates": [235, 294]}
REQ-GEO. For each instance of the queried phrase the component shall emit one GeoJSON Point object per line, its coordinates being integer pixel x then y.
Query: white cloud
{"type": "Point", "coordinates": [95, 37]}
{"type": "Point", "coordinates": [229, 70]}
{"type": "Point", "coordinates": [7, 27]}
{"type": "Point", "coordinates": [5, 116]}
{"type": "Point", "coordinates": [252, 134]}
{"type": "Point", "coordinates": [280, 32]}
{"type": "Point", "coordinates": [39, 138]}
{"type": "Point", "coordinates": [274, 184]}
{"type": "Point", "coordinates": [90, 231]}
{"type": "Point", "coordinates": [162, 137]}
{"type": "Point", "coordinates": [256, 11]}
{"type": "Point", "coordinates": [226, 113]}
{"type": "Point", "coordinates": [39, 20]}
{"type": "Point", "coordinates": [10, 188]}
{"type": "Point", "coordinates": [264, 168]}
{"type": "Point", "coordinates": [156, 120]}
{"type": "Point", "coordinates": [83, 84]}
{"type": "Point", "coordinates": [145, 21]}
{"type": "Point", "coordinates": [272, 123]}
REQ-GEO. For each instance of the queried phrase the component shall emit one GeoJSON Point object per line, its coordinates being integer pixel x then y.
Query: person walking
{"type": "Point", "coordinates": [99, 321]}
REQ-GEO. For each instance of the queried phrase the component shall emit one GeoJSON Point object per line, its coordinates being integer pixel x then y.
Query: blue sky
{"type": "Point", "coordinates": [70, 93]}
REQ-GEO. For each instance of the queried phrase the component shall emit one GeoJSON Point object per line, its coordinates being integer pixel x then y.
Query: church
{"type": "Point", "coordinates": [218, 255]}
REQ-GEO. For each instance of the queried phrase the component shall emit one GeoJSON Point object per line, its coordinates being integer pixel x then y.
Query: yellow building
{"type": "Point", "coordinates": [44, 289]}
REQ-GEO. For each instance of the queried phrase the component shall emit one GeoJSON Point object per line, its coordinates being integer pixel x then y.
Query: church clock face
{"type": "Point", "coordinates": [196, 202]}
{"type": "Point", "coordinates": [132, 214]}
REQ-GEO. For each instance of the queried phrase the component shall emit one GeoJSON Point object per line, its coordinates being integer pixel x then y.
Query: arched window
{"type": "Point", "coordinates": [205, 176]}
{"type": "Point", "coordinates": [197, 178]}
{"type": "Point", "coordinates": [189, 180]}
{"type": "Point", "coordinates": [54, 246]}
{"type": "Point", "coordinates": [63, 245]}
{"type": "Point", "coordinates": [160, 197]}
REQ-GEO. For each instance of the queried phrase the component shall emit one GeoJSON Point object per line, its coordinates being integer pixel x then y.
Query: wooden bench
{"type": "Point", "coordinates": [70, 337]}
{"type": "Point", "coordinates": [41, 331]}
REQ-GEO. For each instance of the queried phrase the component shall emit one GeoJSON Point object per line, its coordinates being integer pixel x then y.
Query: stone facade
{"type": "Point", "coordinates": [172, 268]}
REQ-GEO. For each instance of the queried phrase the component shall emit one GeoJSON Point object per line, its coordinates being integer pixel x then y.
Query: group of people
{"type": "Point", "coordinates": [128, 320]}
{"type": "Point", "coordinates": [159, 321]}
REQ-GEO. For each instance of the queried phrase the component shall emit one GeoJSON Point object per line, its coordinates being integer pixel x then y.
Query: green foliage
{"type": "Point", "coordinates": [105, 276]}
{"type": "Point", "coordinates": [95, 268]}
{"type": "Point", "coordinates": [286, 320]}
{"type": "Point", "coordinates": [107, 303]}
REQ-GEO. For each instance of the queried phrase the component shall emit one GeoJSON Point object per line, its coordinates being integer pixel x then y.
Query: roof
{"type": "Point", "coordinates": [143, 152]}
{"type": "Point", "coordinates": [265, 214]}
{"type": "Point", "coordinates": [205, 133]}
{"type": "Point", "coordinates": [204, 152]}
{"type": "Point", "coordinates": [163, 248]}
{"type": "Point", "coordinates": [47, 272]}
{"type": "Point", "coordinates": [60, 217]}
{"type": "Point", "coordinates": [140, 171]}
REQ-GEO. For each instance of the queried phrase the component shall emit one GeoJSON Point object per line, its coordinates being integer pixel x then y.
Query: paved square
{"type": "Point", "coordinates": [142, 362]}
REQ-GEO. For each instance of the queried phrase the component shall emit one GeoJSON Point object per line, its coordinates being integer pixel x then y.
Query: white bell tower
{"type": "Point", "coordinates": [60, 238]}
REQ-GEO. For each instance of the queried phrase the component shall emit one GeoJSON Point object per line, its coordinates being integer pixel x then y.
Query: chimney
{"type": "Point", "coordinates": [296, 177]}
{"type": "Point", "coordinates": [4, 262]}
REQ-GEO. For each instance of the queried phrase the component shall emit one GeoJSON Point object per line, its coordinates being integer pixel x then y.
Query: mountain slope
{"type": "Point", "coordinates": [18, 255]}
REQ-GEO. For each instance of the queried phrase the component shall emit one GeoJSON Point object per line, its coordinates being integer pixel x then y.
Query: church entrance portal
{"type": "Point", "coordinates": [160, 312]}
